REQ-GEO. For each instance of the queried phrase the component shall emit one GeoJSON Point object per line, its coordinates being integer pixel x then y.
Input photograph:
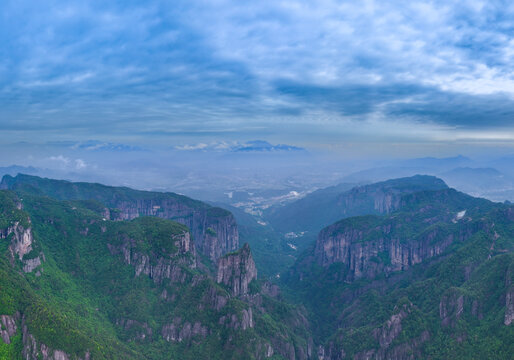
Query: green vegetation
{"type": "Point", "coordinates": [326, 206]}
{"type": "Point", "coordinates": [110, 196]}
{"type": "Point", "coordinates": [210, 231]}
{"type": "Point", "coordinates": [85, 293]}
{"type": "Point", "coordinates": [100, 288]}
{"type": "Point", "coordinates": [474, 269]}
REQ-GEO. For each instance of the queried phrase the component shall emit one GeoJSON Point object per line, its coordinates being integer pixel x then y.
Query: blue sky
{"type": "Point", "coordinates": [310, 73]}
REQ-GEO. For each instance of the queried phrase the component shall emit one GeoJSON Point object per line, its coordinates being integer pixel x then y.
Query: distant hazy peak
{"type": "Point", "coordinates": [248, 146]}
{"type": "Point", "coordinates": [416, 182]}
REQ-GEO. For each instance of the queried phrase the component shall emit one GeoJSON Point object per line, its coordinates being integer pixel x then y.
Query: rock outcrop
{"type": "Point", "coordinates": [8, 327]}
{"type": "Point", "coordinates": [140, 330]}
{"type": "Point", "coordinates": [178, 330]}
{"type": "Point", "coordinates": [386, 196]}
{"type": "Point", "coordinates": [31, 348]}
{"type": "Point", "coordinates": [326, 206]}
{"type": "Point", "coordinates": [385, 335]}
{"type": "Point", "coordinates": [34, 350]}
{"type": "Point", "coordinates": [451, 308]}
{"type": "Point", "coordinates": [214, 230]}
{"type": "Point", "coordinates": [509, 296]}
{"type": "Point", "coordinates": [392, 328]}
{"type": "Point", "coordinates": [159, 266]}
{"type": "Point", "coordinates": [509, 306]}
{"type": "Point", "coordinates": [22, 245]}
{"type": "Point", "coordinates": [406, 351]}
{"type": "Point", "coordinates": [243, 322]}
{"type": "Point", "coordinates": [236, 270]}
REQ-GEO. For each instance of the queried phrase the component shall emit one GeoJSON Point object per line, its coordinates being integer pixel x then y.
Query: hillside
{"type": "Point", "coordinates": [325, 206]}
{"type": "Point", "coordinates": [214, 230]}
{"type": "Point", "coordinates": [76, 285]}
{"type": "Point", "coordinates": [427, 273]}
{"type": "Point", "coordinates": [431, 280]}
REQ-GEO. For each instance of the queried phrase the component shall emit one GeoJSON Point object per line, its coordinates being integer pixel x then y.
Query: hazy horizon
{"type": "Point", "coordinates": [205, 98]}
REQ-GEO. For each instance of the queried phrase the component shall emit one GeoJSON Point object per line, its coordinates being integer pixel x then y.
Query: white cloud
{"type": "Point", "coordinates": [200, 146]}
{"type": "Point", "coordinates": [60, 159]}
{"type": "Point", "coordinates": [80, 164]}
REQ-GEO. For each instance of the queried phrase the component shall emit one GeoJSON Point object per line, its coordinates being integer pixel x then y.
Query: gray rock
{"type": "Point", "coordinates": [237, 270]}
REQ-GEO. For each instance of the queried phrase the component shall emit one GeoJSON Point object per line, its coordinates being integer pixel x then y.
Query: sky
{"type": "Point", "coordinates": [321, 74]}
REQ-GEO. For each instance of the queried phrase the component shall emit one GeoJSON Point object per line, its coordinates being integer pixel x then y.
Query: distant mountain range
{"type": "Point", "coordinates": [248, 146]}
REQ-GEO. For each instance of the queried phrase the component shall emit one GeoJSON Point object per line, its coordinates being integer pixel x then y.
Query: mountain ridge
{"type": "Point", "coordinates": [214, 229]}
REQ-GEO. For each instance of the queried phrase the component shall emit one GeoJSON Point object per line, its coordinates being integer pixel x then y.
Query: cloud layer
{"type": "Point", "coordinates": [268, 69]}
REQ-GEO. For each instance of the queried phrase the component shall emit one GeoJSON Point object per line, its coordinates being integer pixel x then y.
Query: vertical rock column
{"type": "Point", "coordinates": [237, 270]}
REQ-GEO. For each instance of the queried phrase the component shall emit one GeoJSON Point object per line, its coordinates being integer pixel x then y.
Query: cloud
{"type": "Point", "coordinates": [405, 101]}
{"type": "Point", "coordinates": [200, 146]}
{"type": "Point", "coordinates": [80, 164]}
{"type": "Point", "coordinates": [226, 69]}
{"type": "Point", "coordinates": [60, 159]}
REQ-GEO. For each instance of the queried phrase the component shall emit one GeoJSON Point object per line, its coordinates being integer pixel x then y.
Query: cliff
{"type": "Point", "coordinates": [133, 289]}
{"type": "Point", "coordinates": [167, 261]}
{"type": "Point", "coordinates": [424, 281]}
{"type": "Point", "coordinates": [15, 226]}
{"type": "Point", "coordinates": [368, 250]}
{"type": "Point", "coordinates": [214, 230]}
{"type": "Point", "coordinates": [237, 270]}
{"type": "Point", "coordinates": [373, 245]}
{"type": "Point", "coordinates": [31, 349]}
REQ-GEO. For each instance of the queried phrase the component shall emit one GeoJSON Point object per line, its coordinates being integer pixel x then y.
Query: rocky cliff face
{"type": "Point", "coordinates": [157, 266]}
{"type": "Point", "coordinates": [509, 296]}
{"type": "Point", "coordinates": [509, 306]}
{"type": "Point", "coordinates": [386, 250]}
{"type": "Point", "coordinates": [370, 245]}
{"type": "Point", "coordinates": [34, 350]}
{"type": "Point", "coordinates": [140, 330]}
{"type": "Point", "coordinates": [214, 230]}
{"type": "Point", "coordinates": [385, 336]}
{"type": "Point", "coordinates": [214, 234]}
{"type": "Point", "coordinates": [179, 330]}
{"type": "Point", "coordinates": [237, 270]}
{"type": "Point", "coordinates": [451, 308]}
{"type": "Point", "coordinates": [21, 246]}
{"type": "Point", "coordinates": [31, 348]}
{"type": "Point", "coordinates": [8, 327]}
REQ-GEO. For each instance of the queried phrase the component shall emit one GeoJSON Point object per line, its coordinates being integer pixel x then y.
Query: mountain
{"type": "Point", "coordinates": [323, 207]}
{"type": "Point", "coordinates": [260, 145]}
{"type": "Point", "coordinates": [96, 145]}
{"type": "Point", "coordinates": [77, 285]}
{"type": "Point", "coordinates": [214, 230]}
{"type": "Point", "coordinates": [13, 170]}
{"type": "Point", "coordinates": [424, 272]}
{"type": "Point", "coordinates": [409, 167]}
{"type": "Point", "coordinates": [438, 163]}
{"type": "Point", "coordinates": [487, 182]}
{"type": "Point", "coordinates": [429, 280]}
{"type": "Point", "coordinates": [270, 249]}
{"type": "Point", "coordinates": [253, 146]}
